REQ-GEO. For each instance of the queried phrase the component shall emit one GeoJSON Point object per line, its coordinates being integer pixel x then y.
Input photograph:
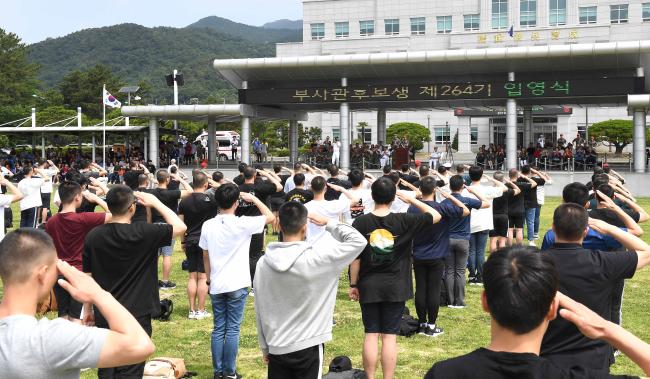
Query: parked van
{"type": "Point", "coordinates": [223, 140]}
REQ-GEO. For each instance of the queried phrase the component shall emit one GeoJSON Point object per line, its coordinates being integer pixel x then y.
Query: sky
{"type": "Point", "coordinates": [36, 20]}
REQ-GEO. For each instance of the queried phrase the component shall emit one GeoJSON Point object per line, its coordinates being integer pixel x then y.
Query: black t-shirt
{"type": "Point", "coordinates": [300, 195]}
{"type": "Point", "coordinates": [500, 204]}
{"type": "Point", "coordinates": [530, 194]}
{"type": "Point", "coordinates": [588, 277]}
{"type": "Point", "coordinates": [261, 189]}
{"type": "Point", "coordinates": [385, 274]}
{"type": "Point", "coordinates": [238, 180]}
{"type": "Point", "coordinates": [173, 185]}
{"type": "Point", "coordinates": [140, 214]}
{"type": "Point", "coordinates": [486, 364]}
{"type": "Point", "coordinates": [331, 194]}
{"type": "Point", "coordinates": [123, 259]}
{"type": "Point", "coordinates": [516, 203]}
{"type": "Point", "coordinates": [169, 198]}
{"type": "Point", "coordinates": [196, 209]}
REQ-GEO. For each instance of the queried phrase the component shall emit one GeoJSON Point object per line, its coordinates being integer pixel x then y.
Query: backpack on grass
{"type": "Point", "coordinates": [408, 325]}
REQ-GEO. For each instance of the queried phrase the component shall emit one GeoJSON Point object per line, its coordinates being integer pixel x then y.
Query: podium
{"type": "Point", "coordinates": [401, 155]}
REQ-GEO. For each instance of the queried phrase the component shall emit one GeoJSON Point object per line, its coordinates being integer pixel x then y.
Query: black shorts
{"type": "Point", "coordinates": [500, 226]}
{"type": "Point", "coordinates": [194, 255]}
{"type": "Point", "coordinates": [516, 221]}
{"type": "Point", "coordinates": [45, 199]}
{"type": "Point", "coordinates": [382, 317]}
{"type": "Point", "coordinates": [66, 304]}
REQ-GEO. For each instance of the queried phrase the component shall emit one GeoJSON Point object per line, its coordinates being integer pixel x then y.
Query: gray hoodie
{"type": "Point", "coordinates": [295, 289]}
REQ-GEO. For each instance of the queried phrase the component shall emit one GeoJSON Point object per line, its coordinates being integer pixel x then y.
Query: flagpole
{"type": "Point", "coordinates": [104, 128]}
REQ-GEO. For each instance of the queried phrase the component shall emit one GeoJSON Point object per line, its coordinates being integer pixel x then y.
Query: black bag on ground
{"type": "Point", "coordinates": [341, 368]}
{"type": "Point", "coordinates": [166, 309]}
{"type": "Point", "coordinates": [409, 325]}
{"type": "Point", "coordinates": [9, 218]}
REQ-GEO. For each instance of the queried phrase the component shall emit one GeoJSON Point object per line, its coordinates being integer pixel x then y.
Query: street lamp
{"type": "Point", "coordinates": [429, 129]}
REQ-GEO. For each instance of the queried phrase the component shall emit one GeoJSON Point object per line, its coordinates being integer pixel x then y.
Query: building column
{"type": "Point", "coordinates": [511, 129]}
{"type": "Point", "coordinates": [528, 126]}
{"type": "Point", "coordinates": [43, 145]}
{"type": "Point", "coordinates": [344, 115]}
{"type": "Point", "coordinates": [381, 126]}
{"type": "Point", "coordinates": [293, 141]}
{"type": "Point", "coordinates": [213, 150]}
{"type": "Point", "coordinates": [153, 141]}
{"type": "Point", "coordinates": [94, 153]}
{"type": "Point", "coordinates": [146, 150]}
{"type": "Point", "coordinates": [639, 140]}
{"type": "Point", "coordinates": [245, 141]}
{"type": "Point", "coordinates": [464, 135]}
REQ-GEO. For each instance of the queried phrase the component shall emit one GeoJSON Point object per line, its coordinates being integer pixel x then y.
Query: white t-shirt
{"type": "Point", "coordinates": [46, 187]}
{"type": "Point", "coordinates": [482, 218]}
{"type": "Point", "coordinates": [290, 185]}
{"type": "Point", "coordinates": [541, 192]}
{"type": "Point", "coordinates": [397, 206]}
{"type": "Point", "coordinates": [363, 194]}
{"type": "Point", "coordinates": [331, 209]}
{"type": "Point", "coordinates": [5, 202]}
{"type": "Point", "coordinates": [227, 239]}
{"type": "Point", "coordinates": [31, 188]}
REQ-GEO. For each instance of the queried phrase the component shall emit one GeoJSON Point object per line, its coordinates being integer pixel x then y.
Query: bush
{"type": "Point", "coordinates": [415, 133]}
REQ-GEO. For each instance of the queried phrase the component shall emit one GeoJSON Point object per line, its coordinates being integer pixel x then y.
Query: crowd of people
{"type": "Point", "coordinates": [579, 154]}
{"type": "Point", "coordinates": [556, 313]}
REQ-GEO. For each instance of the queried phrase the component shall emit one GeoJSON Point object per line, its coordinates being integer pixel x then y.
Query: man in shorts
{"type": "Point", "coordinates": [194, 210]}
{"type": "Point", "coordinates": [499, 235]}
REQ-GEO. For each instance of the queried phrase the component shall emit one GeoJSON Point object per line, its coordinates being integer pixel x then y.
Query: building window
{"type": "Point", "coordinates": [557, 12]}
{"type": "Point", "coordinates": [499, 14]}
{"type": "Point", "coordinates": [441, 135]}
{"type": "Point", "coordinates": [646, 12]}
{"type": "Point", "coordinates": [317, 31]}
{"type": "Point", "coordinates": [528, 13]}
{"type": "Point", "coordinates": [418, 25]}
{"type": "Point", "coordinates": [391, 26]}
{"type": "Point", "coordinates": [472, 22]}
{"type": "Point", "coordinates": [618, 14]}
{"type": "Point", "coordinates": [473, 135]}
{"type": "Point", "coordinates": [367, 28]}
{"type": "Point", "coordinates": [342, 29]}
{"type": "Point", "coordinates": [444, 24]}
{"type": "Point", "coordinates": [587, 15]}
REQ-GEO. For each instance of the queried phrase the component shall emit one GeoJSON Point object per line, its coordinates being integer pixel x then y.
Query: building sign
{"type": "Point", "coordinates": [535, 36]}
{"type": "Point", "coordinates": [525, 89]}
{"type": "Point", "coordinates": [537, 111]}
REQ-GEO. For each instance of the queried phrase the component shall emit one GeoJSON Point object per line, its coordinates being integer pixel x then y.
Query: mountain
{"type": "Point", "coordinates": [136, 53]}
{"type": "Point", "coordinates": [248, 32]}
{"type": "Point", "coordinates": [284, 24]}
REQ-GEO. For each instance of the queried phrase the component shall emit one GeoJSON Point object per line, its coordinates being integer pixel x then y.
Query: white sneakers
{"type": "Point", "coordinates": [198, 315]}
{"type": "Point", "coordinates": [532, 243]}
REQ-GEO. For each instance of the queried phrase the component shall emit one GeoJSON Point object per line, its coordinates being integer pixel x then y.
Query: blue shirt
{"type": "Point", "coordinates": [460, 228]}
{"type": "Point", "coordinates": [432, 242]}
{"type": "Point", "coordinates": [593, 241]}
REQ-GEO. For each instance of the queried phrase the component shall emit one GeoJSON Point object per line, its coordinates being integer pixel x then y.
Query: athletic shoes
{"type": "Point", "coordinates": [433, 331]}
{"type": "Point", "coordinates": [192, 315]}
{"type": "Point", "coordinates": [166, 285]}
{"type": "Point", "coordinates": [200, 315]}
{"type": "Point", "coordinates": [532, 243]}
{"type": "Point", "coordinates": [536, 236]}
{"type": "Point", "coordinates": [232, 376]}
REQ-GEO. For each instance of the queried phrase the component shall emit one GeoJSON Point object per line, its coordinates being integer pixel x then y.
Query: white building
{"type": "Point", "coordinates": [333, 27]}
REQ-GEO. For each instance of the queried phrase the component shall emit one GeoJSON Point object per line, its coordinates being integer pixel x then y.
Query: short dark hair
{"type": "Point", "coordinates": [598, 170]}
{"type": "Point", "coordinates": [393, 176]}
{"type": "Point", "coordinates": [277, 168]}
{"type": "Point", "coordinates": [386, 169]}
{"type": "Point", "coordinates": [130, 179]}
{"type": "Point", "coordinates": [20, 251]}
{"type": "Point", "coordinates": [333, 170]}
{"type": "Point", "coordinates": [77, 177]}
{"type": "Point", "coordinates": [383, 191]}
{"type": "Point", "coordinates": [513, 173]}
{"type": "Point", "coordinates": [199, 179]}
{"type": "Point", "coordinates": [475, 173]}
{"type": "Point", "coordinates": [217, 176]}
{"type": "Point", "coordinates": [406, 167]}
{"type": "Point", "coordinates": [173, 169]}
{"type": "Point", "coordinates": [525, 169]}
{"type": "Point", "coordinates": [249, 172]}
{"type": "Point", "coordinates": [241, 167]}
{"type": "Point", "coordinates": [142, 179]}
{"type": "Point", "coordinates": [442, 169]}
{"type": "Point", "coordinates": [356, 177]}
{"type": "Point", "coordinates": [162, 176]}
{"type": "Point", "coordinates": [520, 284]}
{"type": "Point", "coordinates": [227, 195]}
{"type": "Point", "coordinates": [299, 179]}
{"type": "Point", "coordinates": [424, 170]}
{"type": "Point", "coordinates": [427, 185]}
{"type": "Point", "coordinates": [498, 176]}
{"type": "Point", "coordinates": [570, 221]}
{"type": "Point", "coordinates": [84, 164]}
{"type": "Point", "coordinates": [456, 183]}
{"type": "Point", "coordinates": [598, 180]}
{"type": "Point", "coordinates": [293, 216]}
{"type": "Point", "coordinates": [576, 193]}
{"type": "Point", "coordinates": [68, 191]}
{"type": "Point", "coordinates": [460, 168]}
{"type": "Point", "coordinates": [318, 184]}
{"type": "Point", "coordinates": [607, 190]}
{"type": "Point", "coordinates": [119, 199]}
{"type": "Point", "coordinates": [297, 166]}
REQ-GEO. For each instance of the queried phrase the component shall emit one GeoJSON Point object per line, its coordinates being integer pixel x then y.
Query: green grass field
{"type": "Point", "coordinates": [465, 329]}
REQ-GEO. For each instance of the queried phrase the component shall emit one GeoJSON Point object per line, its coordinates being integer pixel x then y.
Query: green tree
{"type": "Point", "coordinates": [454, 143]}
{"type": "Point", "coordinates": [18, 82]}
{"type": "Point", "coordinates": [84, 89]}
{"type": "Point", "coordinates": [416, 134]}
{"type": "Point", "coordinates": [617, 133]}
{"type": "Point", "coordinates": [5, 142]}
